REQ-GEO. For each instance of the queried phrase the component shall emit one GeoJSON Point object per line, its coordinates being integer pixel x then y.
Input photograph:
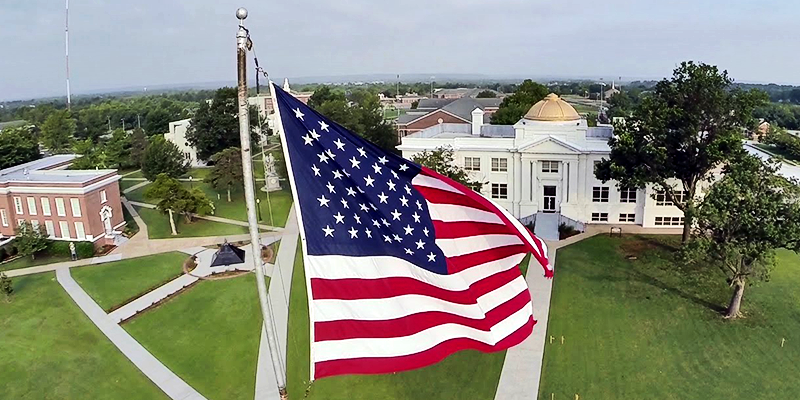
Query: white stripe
{"type": "Point", "coordinates": [379, 267]}
{"type": "Point", "coordinates": [401, 306]}
{"type": "Point", "coordinates": [427, 181]}
{"type": "Point", "coordinates": [420, 341]}
{"type": "Point", "coordinates": [456, 213]}
{"type": "Point", "coordinates": [474, 244]}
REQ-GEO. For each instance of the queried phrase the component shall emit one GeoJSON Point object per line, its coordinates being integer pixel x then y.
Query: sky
{"type": "Point", "coordinates": [142, 43]}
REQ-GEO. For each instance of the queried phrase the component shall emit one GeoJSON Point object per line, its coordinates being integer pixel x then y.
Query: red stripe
{"type": "Point", "coordinates": [459, 263]}
{"type": "Point", "coordinates": [358, 289]}
{"type": "Point", "coordinates": [415, 323]}
{"type": "Point", "coordinates": [384, 365]}
{"type": "Point", "coordinates": [459, 229]}
{"type": "Point", "coordinates": [439, 196]}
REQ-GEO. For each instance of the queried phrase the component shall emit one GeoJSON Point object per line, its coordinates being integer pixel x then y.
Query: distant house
{"type": "Point", "coordinates": [431, 112]}
{"type": "Point", "coordinates": [177, 135]}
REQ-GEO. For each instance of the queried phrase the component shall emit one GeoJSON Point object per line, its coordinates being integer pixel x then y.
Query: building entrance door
{"type": "Point", "coordinates": [549, 204]}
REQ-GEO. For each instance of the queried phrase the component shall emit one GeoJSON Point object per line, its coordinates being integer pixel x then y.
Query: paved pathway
{"type": "Point", "coordinates": [165, 379]}
{"type": "Point", "coordinates": [214, 218]}
{"type": "Point", "coordinates": [136, 186]}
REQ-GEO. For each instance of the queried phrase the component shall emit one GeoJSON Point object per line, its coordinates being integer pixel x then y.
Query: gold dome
{"type": "Point", "coordinates": [552, 108]}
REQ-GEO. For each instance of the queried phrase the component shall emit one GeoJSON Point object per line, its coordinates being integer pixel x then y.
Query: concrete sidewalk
{"type": "Point", "coordinates": [214, 218]}
{"type": "Point", "coordinates": [157, 372]}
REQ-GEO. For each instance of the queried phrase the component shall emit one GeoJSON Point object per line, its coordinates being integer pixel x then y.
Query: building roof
{"type": "Point", "coordinates": [433, 103]}
{"type": "Point", "coordinates": [44, 171]}
{"type": "Point", "coordinates": [461, 108]}
{"type": "Point", "coordinates": [552, 108]}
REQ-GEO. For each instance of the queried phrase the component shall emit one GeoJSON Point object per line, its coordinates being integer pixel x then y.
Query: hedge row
{"type": "Point", "coordinates": [54, 248]}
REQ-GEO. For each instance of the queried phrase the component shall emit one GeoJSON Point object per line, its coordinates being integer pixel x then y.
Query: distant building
{"type": "Point", "coordinates": [263, 102]}
{"type": "Point", "coordinates": [431, 112]}
{"type": "Point", "coordinates": [177, 135]}
{"type": "Point", "coordinates": [611, 92]}
{"type": "Point", "coordinates": [72, 205]}
{"type": "Point", "coordinates": [459, 93]}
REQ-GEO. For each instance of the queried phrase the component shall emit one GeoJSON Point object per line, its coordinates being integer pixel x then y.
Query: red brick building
{"type": "Point", "coordinates": [72, 205]}
{"type": "Point", "coordinates": [433, 112]}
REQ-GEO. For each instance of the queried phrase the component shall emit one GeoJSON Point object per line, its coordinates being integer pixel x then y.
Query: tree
{"type": "Point", "coordinates": [163, 157]}
{"type": "Point", "coordinates": [174, 197]}
{"type": "Point", "coordinates": [29, 239]}
{"type": "Point", "coordinates": [227, 170]}
{"type": "Point", "coordinates": [442, 160]}
{"type": "Point", "coordinates": [138, 147]}
{"type": "Point", "coordinates": [786, 143]}
{"type": "Point", "coordinates": [157, 121]}
{"type": "Point", "coordinates": [514, 107]}
{"type": "Point", "coordinates": [745, 216]}
{"type": "Point", "coordinates": [18, 146]}
{"type": "Point", "coordinates": [92, 155]}
{"type": "Point", "coordinates": [215, 126]}
{"type": "Point", "coordinates": [6, 286]}
{"type": "Point", "coordinates": [690, 125]}
{"type": "Point", "coordinates": [486, 94]}
{"type": "Point", "coordinates": [58, 132]}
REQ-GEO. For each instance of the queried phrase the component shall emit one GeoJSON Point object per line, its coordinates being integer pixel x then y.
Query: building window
{"type": "Point", "coordinates": [661, 198]}
{"type": "Point", "coordinates": [31, 206]}
{"type": "Point", "coordinates": [627, 218]}
{"type": "Point", "coordinates": [550, 166]}
{"type": "Point", "coordinates": [499, 190]}
{"type": "Point", "coordinates": [51, 230]}
{"type": "Point", "coordinates": [103, 197]}
{"type": "Point", "coordinates": [472, 163]}
{"type": "Point", "coordinates": [20, 222]}
{"type": "Point", "coordinates": [18, 205]}
{"type": "Point", "coordinates": [4, 217]}
{"type": "Point", "coordinates": [46, 206]}
{"type": "Point", "coordinates": [76, 207]}
{"type": "Point", "coordinates": [499, 164]}
{"type": "Point", "coordinates": [627, 195]}
{"type": "Point", "coordinates": [599, 217]}
{"type": "Point", "coordinates": [60, 209]}
{"type": "Point", "coordinates": [669, 221]}
{"type": "Point", "coordinates": [600, 194]}
{"type": "Point", "coordinates": [79, 232]}
{"type": "Point", "coordinates": [64, 227]}
{"type": "Point", "coordinates": [35, 224]}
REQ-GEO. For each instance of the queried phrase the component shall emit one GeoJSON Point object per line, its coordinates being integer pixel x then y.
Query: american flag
{"type": "Point", "coordinates": [403, 265]}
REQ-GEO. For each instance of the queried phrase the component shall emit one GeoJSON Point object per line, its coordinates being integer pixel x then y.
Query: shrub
{"type": "Point", "coordinates": [57, 247]}
{"type": "Point", "coordinates": [84, 249]}
{"type": "Point", "coordinates": [565, 231]}
{"type": "Point", "coordinates": [3, 254]}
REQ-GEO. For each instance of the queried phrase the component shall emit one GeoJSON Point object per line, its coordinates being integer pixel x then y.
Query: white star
{"type": "Point", "coordinates": [339, 144]}
{"type": "Point", "coordinates": [373, 206]}
{"type": "Point", "coordinates": [323, 201]}
{"type": "Point", "coordinates": [385, 222]}
{"type": "Point", "coordinates": [339, 218]}
{"type": "Point", "coordinates": [391, 185]}
{"type": "Point", "coordinates": [416, 217]}
{"type": "Point", "coordinates": [357, 218]}
{"type": "Point", "coordinates": [409, 252]}
{"type": "Point", "coordinates": [298, 114]}
{"type": "Point", "coordinates": [330, 154]}
{"type": "Point", "coordinates": [369, 180]}
{"type": "Point", "coordinates": [353, 233]}
{"type": "Point", "coordinates": [404, 200]}
{"type": "Point", "coordinates": [409, 230]}
{"type": "Point", "coordinates": [383, 198]}
{"type": "Point", "coordinates": [403, 167]}
{"type": "Point", "coordinates": [387, 239]}
{"type": "Point", "coordinates": [377, 169]}
{"type": "Point", "coordinates": [314, 133]}
{"type": "Point", "coordinates": [408, 190]}
{"type": "Point", "coordinates": [337, 174]}
{"type": "Point", "coordinates": [394, 174]}
{"type": "Point", "coordinates": [425, 231]}
{"type": "Point", "coordinates": [420, 244]}
{"type": "Point", "coordinates": [376, 223]}
{"type": "Point", "coordinates": [364, 207]}
{"type": "Point", "coordinates": [362, 152]}
{"type": "Point", "coordinates": [344, 204]}
{"type": "Point", "coordinates": [396, 215]}
{"type": "Point", "coordinates": [308, 139]}
{"type": "Point", "coordinates": [328, 230]}
{"type": "Point", "coordinates": [351, 192]}
{"type": "Point", "coordinates": [360, 190]}
{"type": "Point", "coordinates": [398, 238]}
{"type": "Point", "coordinates": [355, 162]}
{"type": "Point", "coordinates": [347, 174]}
{"type": "Point", "coordinates": [419, 205]}
{"type": "Point", "coordinates": [323, 126]}
{"type": "Point", "coordinates": [316, 170]}
{"type": "Point", "coordinates": [383, 160]}
{"type": "Point", "coordinates": [431, 257]}
{"type": "Point", "coordinates": [330, 188]}
{"type": "Point", "coordinates": [369, 233]}
{"type": "Point", "coordinates": [323, 158]}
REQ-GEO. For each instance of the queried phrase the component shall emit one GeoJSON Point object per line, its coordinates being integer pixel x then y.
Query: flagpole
{"type": "Point", "coordinates": [249, 195]}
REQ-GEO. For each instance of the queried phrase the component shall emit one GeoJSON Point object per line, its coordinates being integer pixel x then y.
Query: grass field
{"type": "Point", "coordinates": [158, 226]}
{"type": "Point", "coordinates": [25, 262]}
{"type": "Point", "coordinates": [126, 183]}
{"type": "Point", "coordinates": [208, 335]}
{"type": "Point", "coordinates": [464, 375]}
{"type": "Point", "coordinates": [775, 151]}
{"type": "Point", "coordinates": [112, 284]}
{"type": "Point", "coordinates": [650, 328]}
{"type": "Point", "coordinates": [51, 350]}
{"type": "Point", "coordinates": [137, 174]}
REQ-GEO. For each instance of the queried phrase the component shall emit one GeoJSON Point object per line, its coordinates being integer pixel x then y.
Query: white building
{"type": "Point", "coordinates": [544, 164]}
{"type": "Point", "coordinates": [177, 135]}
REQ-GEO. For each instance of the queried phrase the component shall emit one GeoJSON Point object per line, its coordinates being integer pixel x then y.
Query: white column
{"type": "Point", "coordinates": [517, 184]}
{"type": "Point", "coordinates": [573, 182]}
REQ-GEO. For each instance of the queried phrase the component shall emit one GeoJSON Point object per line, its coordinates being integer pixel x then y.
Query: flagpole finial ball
{"type": "Point", "coordinates": [241, 13]}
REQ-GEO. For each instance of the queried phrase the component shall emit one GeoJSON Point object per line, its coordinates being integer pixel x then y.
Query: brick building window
{"type": "Point", "coordinates": [45, 206]}
{"type": "Point", "coordinates": [4, 217]}
{"type": "Point", "coordinates": [18, 206]}
{"type": "Point", "coordinates": [76, 207]}
{"type": "Point", "coordinates": [61, 210]}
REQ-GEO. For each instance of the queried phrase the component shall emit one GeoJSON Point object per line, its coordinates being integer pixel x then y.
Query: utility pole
{"type": "Point", "coordinates": [139, 121]}
{"type": "Point", "coordinates": [243, 44]}
{"type": "Point", "coordinates": [109, 124]}
{"type": "Point", "coordinates": [66, 50]}
{"type": "Point", "coordinates": [123, 124]}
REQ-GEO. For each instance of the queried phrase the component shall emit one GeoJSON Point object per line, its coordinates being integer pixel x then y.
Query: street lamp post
{"type": "Point", "coordinates": [190, 182]}
{"type": "Point", "coordinates": [258, 207]}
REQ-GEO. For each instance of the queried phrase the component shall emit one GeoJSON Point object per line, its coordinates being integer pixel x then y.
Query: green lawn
{"type": "Point", "coordinates": [208, 335]}
{"type": "Point", "coordinates": [51, 350]}
{"type": "Point", "coordinates": [158, 226]}
{"type": "Point", "coordinates": [116, 283]}
{"type": "Point", "coordinates": [650, 328]}
{"type": "Point", "coordinates": [775, 151]}
{"type": "Point", "coordinates": [130, 224]}
{"type": "Point", "coordinates": [464, 375]}
{"type": "Point", "coordinates": [196, 173]}
{"type": "Point", "coordinates": [137, 174]}
{"type": "Point", "coordinates": [126, 183]}
{"type": "Point", "coordinates": [25, 262]}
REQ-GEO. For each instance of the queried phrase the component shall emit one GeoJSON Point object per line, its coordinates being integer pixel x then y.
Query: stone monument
{"type": "Point", "coordinates": [271, 174]}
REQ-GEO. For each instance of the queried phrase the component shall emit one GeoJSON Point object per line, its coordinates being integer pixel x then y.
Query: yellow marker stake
{"type": "Point", "coordinates": [562, 340]}
{"type": "Point", "coordinates": [783, 340]}
{"type": "Point", "coordinates": [552, 396]}
{"type": "Point", "coordinates": [577, 397]}
{"type": "Point", "coordinates": [551, 339]}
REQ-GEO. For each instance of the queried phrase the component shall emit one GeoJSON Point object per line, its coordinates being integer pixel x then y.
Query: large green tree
{"type": "Point", "coordinates": [215, 126]}
{"type": "Point", "coordinates": [163, 157]}
{"type": "Point", "coordinates": [227, 170]}
{"type": "Point", "coordinates": [17, 146]}
{"type": "Point", "coordinates": [118, 149]}
{"type": "Point", "coordinates": [175, 198]}
{"type": "Point", "coordinates": [514, 107]}
{"type": "Point", "coordinates": [30, 240]}
{"type": "Point", "coordinates": [138, 147]}
{"type": "Point", "coordinates": [58, 131]}
{"type": "Point", "coordinates": [690, 125]}
{"type": "Point", "coordinates": [745, 217]}
{"type": "Point", "coordinates": [442, 160]}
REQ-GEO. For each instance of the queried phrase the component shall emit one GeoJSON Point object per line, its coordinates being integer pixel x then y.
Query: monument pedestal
{"type": "Point", "coordinates": [272, 184]}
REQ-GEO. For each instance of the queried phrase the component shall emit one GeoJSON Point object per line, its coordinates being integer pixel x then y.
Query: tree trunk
{"type": "Point", "coordinates": [687, 229]}
{"type": "Point", "coordinates": [229, 195]}
{"type": "Point", "coordinates": [172, 223]}
{"type": "Point", "coordinates": [736, 300]}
